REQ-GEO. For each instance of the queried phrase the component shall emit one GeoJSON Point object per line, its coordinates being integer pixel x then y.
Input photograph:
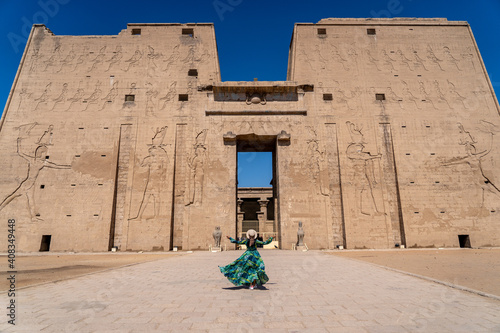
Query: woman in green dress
{"type": "Point", "coordinates": [248, 269]}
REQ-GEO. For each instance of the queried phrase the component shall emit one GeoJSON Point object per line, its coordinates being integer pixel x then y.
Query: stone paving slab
{"type": "Point", "coordinates": [307, 292]}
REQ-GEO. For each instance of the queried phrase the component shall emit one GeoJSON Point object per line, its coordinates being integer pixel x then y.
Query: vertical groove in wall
{"type": "Point", "coordinates": [342, 225]}
{"type": "Point", "coordinates": [336, 226]}
{"type": "Point", "coordinates": [391, 180]}
{"type": "Point", "coordinates": [398, 195]}
{"type": "Point", "coordinates": [179, 189]}
{"type": "Point", "coordinates": [125, 144]}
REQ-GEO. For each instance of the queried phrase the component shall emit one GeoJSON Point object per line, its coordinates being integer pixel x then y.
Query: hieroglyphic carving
{"type": "Point", "coordinates": [157, 163]}
{"type": "Point", "coordinates": [418, 62]}
{"type": "Point", "coordinates": [432, 57]}
{"type": "Point", "coordinates": [343, 98]}
{"type": "Point", "coordinates": [44, 96]}
{"type": "Point", "coordinates": [469, 55]}
{"type": "Point", "coordinates": [82, 58]}
{"type": "Point", "coordinates": [67, 62]}
{"type": "Point", "coordinates": [23, 95]}
{"type": "Point", "coordinates": [134, 60]}
{"type": "Point", "coordinates": [322, 60]}
{"type": "Point", "coordinates": [169, 96]}
{"type": "Point", "coordinates": [474, 158]}
{"type": "Point", "coordinates": [426, 97]}
{"type": "Point", "coordinates": [151, 93]}
{"type": "Point", "coordinates": [116, 58]}
{"type": "Point", "coordinates": [77, 97]}
{"type": "Point", "coordinates": [196, 165]}
{"type": "Point", "coordinates": [403, 59]}
{"type": "Point", "coordinates": [450, 58]}
{"type": "Point", "coordinates": [304, 57]}
{"type": "Point", "coordinates": [36, 159]}
{"type": "Point", "coordinates": [372, 60]}
{"type": "Point", "coordinates": [408, 95]}
{"type": "Point", "coordinates": [173, 58]}
{"type": "Point", "coordinates": [62, 96]}
{"type": "Point", "coordinates": [387, 60]}
{"type": "Point", "coordinates": [454, 92]}
{"type": "Point", "coordinates": [440, 94]}
{"type": "Point", "coordinates": [152, 56]}
{"type": "Point", "coordinates": [315, 158]}
{"type": "Point", "coordinates": [111, 96]}
{"type": "Point", "coordinates": [34, 59]}
{"type": "Point", "coordinates": [54, 58]}
{"type": "Point", "coordinates": [99, 59]}
{"type": "Point", "coordinates": [364, 171]}
{"type": "Point", "coordinates": [94, 97]}
{"type": "Point", "coordinates": [391, 96]}
{"type": "Point", "coordinates": [337, 57]}
{"type": "Point", "coordinates": [190, 57]}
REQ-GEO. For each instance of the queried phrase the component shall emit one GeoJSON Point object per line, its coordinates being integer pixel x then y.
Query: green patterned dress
{"type": "Point", "coordinates": [248, 267]}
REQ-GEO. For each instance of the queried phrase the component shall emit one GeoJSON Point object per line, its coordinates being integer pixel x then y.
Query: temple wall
{"type": "Point", "coordinates": [384, 134]}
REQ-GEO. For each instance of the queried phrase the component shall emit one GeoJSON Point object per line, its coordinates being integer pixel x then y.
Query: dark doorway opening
{"type": "Point", "coordinates": [464, 241]}
{"type": "Point", "coordinates": [45, 245]}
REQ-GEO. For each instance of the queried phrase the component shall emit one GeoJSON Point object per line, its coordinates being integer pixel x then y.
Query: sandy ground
{"type": "Point", "coordinates": [40, 268]}
{"type": "Point", "coordinates": [477, 269]}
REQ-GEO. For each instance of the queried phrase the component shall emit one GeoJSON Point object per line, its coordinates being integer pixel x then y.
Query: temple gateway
{"type": "Point", "coordinates": [386, 133]}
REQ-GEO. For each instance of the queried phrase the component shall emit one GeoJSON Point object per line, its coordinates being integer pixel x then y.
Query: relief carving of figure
{"type": "Point", "coordinates": [455, 93]}
{"type": "Point", "coordinates": [82, 58]}
{"type": "Point", "coordinates": [44, 97]}
{"type": "Point", "coordinates": [407, 94]}
{"type": "Point", "coordinates": [67, 61]}
{"type": "Point", "coordinates": [152, 56]}
{"type": "Point", "coordinates": [171, 94]}
{"type": "Point", "coordinates": [34, 59]}
{"type": "Point", "coordinates": [388, 60]}
{"type": "Point", "coordinates": [99, 59]}
{"type": "Point", "coordinates": [94, 97]}
{"type": "Point", "coordinates": [54, 58]}
{"type": "Point", "coordinates": [474, 158]}
{"type": "Point", "coordinates": [337, 57]}
{"type": "Point", "coordinates": [418, 61]}
{"type": "Point", "coordinates": [62, 96]}
{"type": "Point", "coordinates": [426, 97]}
{"type": "Point", "coordinates": [77, 97]}
{"type": "Point", "coordinates": [314, 160]}
{"type": "Point", "coordinates": [134, 60]}
{"type": "Point", "coordinates": [440, 94]}
{"type": "Point", "coordinates": [403, 59]}
{"type": "Point", "coordinates": [37, 160]}
{"type": "Point", "coordinates": [116, 58]}
{"type": "Point", "coordinates": [364, 172]}
{"type": "Point", "coordinates": [196, 165]}
{"type": "Point", "coordinates": [151, 93]}
{"type": "Point", "coordinates": [449, 57]}
{"type": "Point", "coordinates": [372, 60]}
{"type": "Point", "coordinates": [157, 163]}
{"type": "Point", "coordinates": [111, 96]}
{"type": "Point", "coordinates": [432, 57]}
{"type": "Point", "coordinates": [173, 58]}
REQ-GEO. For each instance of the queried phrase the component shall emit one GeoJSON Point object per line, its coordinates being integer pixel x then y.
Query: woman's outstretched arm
{"type": "Point", "coordinates": [236, 241]}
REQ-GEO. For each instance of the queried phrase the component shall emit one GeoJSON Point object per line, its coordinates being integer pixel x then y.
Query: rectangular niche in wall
{"type": "Point", "coordinates": [45, 244]}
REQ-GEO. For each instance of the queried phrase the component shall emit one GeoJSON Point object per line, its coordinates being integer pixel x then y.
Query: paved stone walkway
{"type": "Point", "coordinates": [307, 292]}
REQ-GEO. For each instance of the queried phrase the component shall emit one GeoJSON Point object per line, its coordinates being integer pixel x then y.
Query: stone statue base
{"type": "Point", "coordinates": [301, 248]}
{"type": "Point", "coordinates": [216, 249]}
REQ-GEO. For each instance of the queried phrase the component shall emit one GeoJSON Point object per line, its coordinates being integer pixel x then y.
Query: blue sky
{"type": "Point", "coordinates": [256, 33]}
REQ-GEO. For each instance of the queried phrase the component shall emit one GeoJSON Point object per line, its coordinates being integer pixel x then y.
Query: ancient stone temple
{"type": "Point", "coordinates": [386, 133]}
